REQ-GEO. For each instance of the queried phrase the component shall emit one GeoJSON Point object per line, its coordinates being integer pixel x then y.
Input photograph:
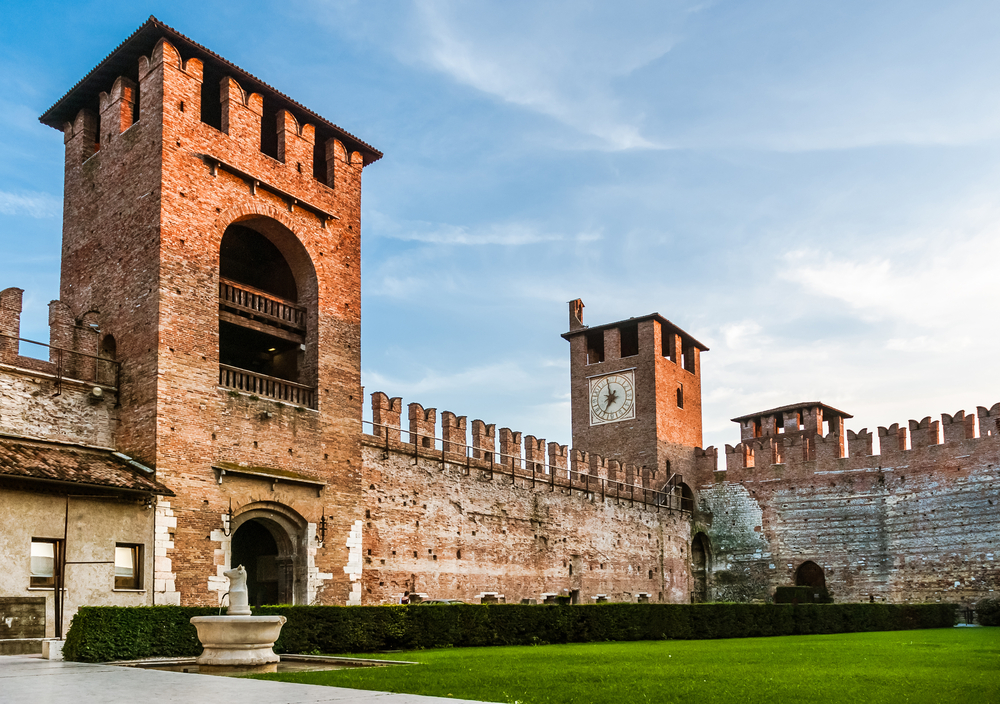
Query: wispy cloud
{"type": "Point", "coordinates": [500, 233]}
{"type": "Point", "coordinates": [561, 59]}
{"type": "Point", "coordinates": [35, 205]}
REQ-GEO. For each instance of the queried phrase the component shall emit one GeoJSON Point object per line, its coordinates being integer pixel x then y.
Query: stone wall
{"type": "Point", "coordinates": [919, 524]}
{"type": "Point", "coordinates": [449, 525]}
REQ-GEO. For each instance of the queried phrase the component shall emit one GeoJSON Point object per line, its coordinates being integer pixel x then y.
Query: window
{"type": "Point", "coordinates": [128, 566]}
{"type": "Point", "coordinates": [595, 346]}
{"type": "Point", "coordinates": [45, 554]}
{"type": "Point", "coordinates": [680, 396]}
{"type": "Point", "coordinates": [629, 335]}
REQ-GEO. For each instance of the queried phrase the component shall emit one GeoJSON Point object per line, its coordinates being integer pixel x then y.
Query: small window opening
{"type": "Point", "coordinates": [688, 363]}
{"type": "Point", "coordinates": [629, 335]}
{"type": "Point", "coordinates": [135, 104]}
{"type": "Point", "coordinates": [128, 566]}
{"type": "Point", "coordinates": [319, 160]}
{"type": "Point", "coordinates": [595, 347]}
{"type": "Point", "coordinates": [758, 428]}
{"type": "Point", "coordinates": [211, 95]}
{"type": "Point", "coordinates": [651, 574]}
{"type": "Point", "coordinates": [269, 128]}
{"type": "Point", "coordinates": [45, 561]}
{"type": "Point", "coordinates": [680, 396]}
{"type": "Point", "coordinates": [458, 554]}
{"type": "Point", "coordinates": [779, 421]}
{"type": "Point", "coordinates": [667, 346]}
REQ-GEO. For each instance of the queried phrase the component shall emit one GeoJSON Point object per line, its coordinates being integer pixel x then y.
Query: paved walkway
{"type": "Point", "coordinates": [24, 678]}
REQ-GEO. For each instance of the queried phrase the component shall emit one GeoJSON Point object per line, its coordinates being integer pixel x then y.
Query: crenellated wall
{"type": "Point", "coordinates": [454, 516]}
{"type": "Point", "coordinates": [920, 521]}
{"type": "Point", "coordinates": [55, 398]}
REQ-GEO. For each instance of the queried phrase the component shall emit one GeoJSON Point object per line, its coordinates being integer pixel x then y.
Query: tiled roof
{"type": "Point", "coordinates": [123, 61]}
{"type": "Point", "coordinates": [62, 463]}
{"type": "Point", "coordinates": [827, 410]}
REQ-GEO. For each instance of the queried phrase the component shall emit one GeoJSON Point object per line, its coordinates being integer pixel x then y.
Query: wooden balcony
{"type": "Point", "coordinates": [247, 305]}
{"type": "Point", "coordinates": [266, 386]}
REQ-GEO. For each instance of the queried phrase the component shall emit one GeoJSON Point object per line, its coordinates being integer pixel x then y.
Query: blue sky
{"type": "Point", "coordinates": [811, 189]}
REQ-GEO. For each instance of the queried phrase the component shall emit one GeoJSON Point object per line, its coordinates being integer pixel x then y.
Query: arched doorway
{"type": "Point", "coordinates": [701, 556]}
{"type": "Point", "coordinates": [267, 543]}
{"type": "Point", "coordinates": [268, 324]}
{"type": "Point", "coordinates": [809, 574]}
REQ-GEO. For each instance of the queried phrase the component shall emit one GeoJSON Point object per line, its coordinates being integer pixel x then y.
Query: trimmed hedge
{"type": "Point", "coordinates": [104, 633]}
{"type": "Point", "coordinates": [802, 595]}
{"type": "Point", "coordinates": [988, 611]}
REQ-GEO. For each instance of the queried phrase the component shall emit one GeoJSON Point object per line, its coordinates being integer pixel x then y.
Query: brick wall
{"type": "Point", "coordinates": [918, 524]}
{"type": "Point", "coordinates": [451, 526]}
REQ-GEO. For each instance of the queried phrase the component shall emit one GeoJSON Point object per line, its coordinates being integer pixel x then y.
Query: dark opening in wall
{"type": "Point", "coordinates": [630, 340]}
{"type": "Point", "coordinates": [250, 258]}
{"type": "Point", "coordinates": [258, 352]}
{"type": "Point", "coordinates": [319, 160]}
{"type": "Point", "coordinates": [667, 342]}
{"type": "Point", "coordinates": [688, 356]}
{"type": "Point", "coordinates": [269, 128]}
{"type": "Point", "coordinates": [211, 95]}
{"type": "Point", "coordinates": [595, 347]}
{"type": "Point", "coordinates": [680, 396]}
{"type": "Point", "coordinates": [135, 105]}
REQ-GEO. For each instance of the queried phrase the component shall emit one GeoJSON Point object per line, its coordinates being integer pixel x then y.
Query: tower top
{"type": "Point", "coordinates": [576, 311]}
{"type": "Point", "coordinates": [124, 61]}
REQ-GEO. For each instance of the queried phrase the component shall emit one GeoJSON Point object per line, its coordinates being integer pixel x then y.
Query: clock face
{"type": "Point", "coordinates": [612, 398]}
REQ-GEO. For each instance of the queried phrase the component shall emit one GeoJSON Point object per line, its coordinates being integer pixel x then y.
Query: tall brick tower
{"type": "Point", "coordinates": [212, 228]}
{"type": "Point", "coordinates": [636, 391]}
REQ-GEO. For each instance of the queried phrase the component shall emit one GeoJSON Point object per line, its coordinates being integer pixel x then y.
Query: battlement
{"type": "Point", "coordinates": [521, 458]}
{"type": "Point", "coordinates": [212, 110]}
{"type": "Point", "coordinates": [76, 348]}
{"type": "Point", "coordinates": [787, 455]}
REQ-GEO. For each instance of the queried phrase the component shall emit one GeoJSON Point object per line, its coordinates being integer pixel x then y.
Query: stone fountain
{"type": "Point", "coordinates": [239, 640]}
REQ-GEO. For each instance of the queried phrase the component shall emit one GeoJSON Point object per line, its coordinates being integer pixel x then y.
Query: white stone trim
{"type": "Point", "coordinates": [164, 579]}
{"type": "Point", "coordinates": [354, 564]}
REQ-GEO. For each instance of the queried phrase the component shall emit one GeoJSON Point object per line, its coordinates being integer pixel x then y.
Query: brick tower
{"type": "Point", "coordinates": [212, 228]}
{"type": "Point", "coordinates": [636, 391]}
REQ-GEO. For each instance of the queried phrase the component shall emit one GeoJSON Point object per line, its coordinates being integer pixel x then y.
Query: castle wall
{"type": "Point", "coordinates": [452, 526]}
{"type": "Point", "coordinates": [918, 524]}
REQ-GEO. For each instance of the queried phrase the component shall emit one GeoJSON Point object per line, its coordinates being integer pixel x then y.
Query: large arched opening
{"type": "Point", "coordinates": [267, 312]}
{"type": "Point", "coordinates": [701, 556]}
{"type": "Point", "coordinates": [809, 574]}
{"type": "Point", "coordinates": [270, 545]}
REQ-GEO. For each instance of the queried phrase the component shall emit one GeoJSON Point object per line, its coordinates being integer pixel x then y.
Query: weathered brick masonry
{"type": "Point", "coordinates": [918, 524]}
{"type": "Point", "coordinates": [212, 248]}
{"type": "Point", "coordinates": [446, 522]}
{"type": "Point", "coordinates": [150, 194]}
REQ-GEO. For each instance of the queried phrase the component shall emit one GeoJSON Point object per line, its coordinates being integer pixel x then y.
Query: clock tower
{"type": "Point", "coordinates": [636, 391]}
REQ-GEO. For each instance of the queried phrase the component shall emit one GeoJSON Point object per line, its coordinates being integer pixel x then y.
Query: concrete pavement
{"type": "Point", "coordinates": [32, 680]}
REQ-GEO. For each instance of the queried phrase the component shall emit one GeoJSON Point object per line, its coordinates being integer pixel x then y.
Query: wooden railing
{"type": "Point", "coordinates": [260, 304]}
{"type": "Point", "coordinates": [267, 386]}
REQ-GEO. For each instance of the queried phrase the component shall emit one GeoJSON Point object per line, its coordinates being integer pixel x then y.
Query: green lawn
{"type": "Point", "coordinates": [935, 666]}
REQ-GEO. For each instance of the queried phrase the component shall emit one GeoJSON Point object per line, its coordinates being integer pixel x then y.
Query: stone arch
{"type": "Point", "coordinates": [701, 567]}
{"type": "Point", "coordinates": [247, 347]}
{"type": "Point", "coordinates": [809, 574]}
{"type": "Point", "coordinates": [686, 497]}
{"type": "Point", "coordinates": [271, 541]}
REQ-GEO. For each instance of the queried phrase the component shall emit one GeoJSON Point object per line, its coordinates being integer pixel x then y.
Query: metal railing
{"type": "Point", "coordinates": [267, 386]}
{"type": "Point", "coordinates": [260, 304]}
{"type": "Point", "coordinates": [518, 467]}
{"type": "Point", "coordinates": [63, 363]}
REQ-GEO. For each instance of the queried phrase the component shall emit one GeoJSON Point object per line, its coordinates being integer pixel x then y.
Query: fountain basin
{"type": "Point", "coordinates": [238, 641]}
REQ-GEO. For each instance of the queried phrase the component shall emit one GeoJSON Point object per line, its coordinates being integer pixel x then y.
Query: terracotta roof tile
{"type": "Point", "coordinates": [59, 462]}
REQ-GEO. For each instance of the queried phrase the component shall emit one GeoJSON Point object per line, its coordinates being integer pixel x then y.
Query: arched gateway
{"type": "Point", "coordinates": [270, 541]}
